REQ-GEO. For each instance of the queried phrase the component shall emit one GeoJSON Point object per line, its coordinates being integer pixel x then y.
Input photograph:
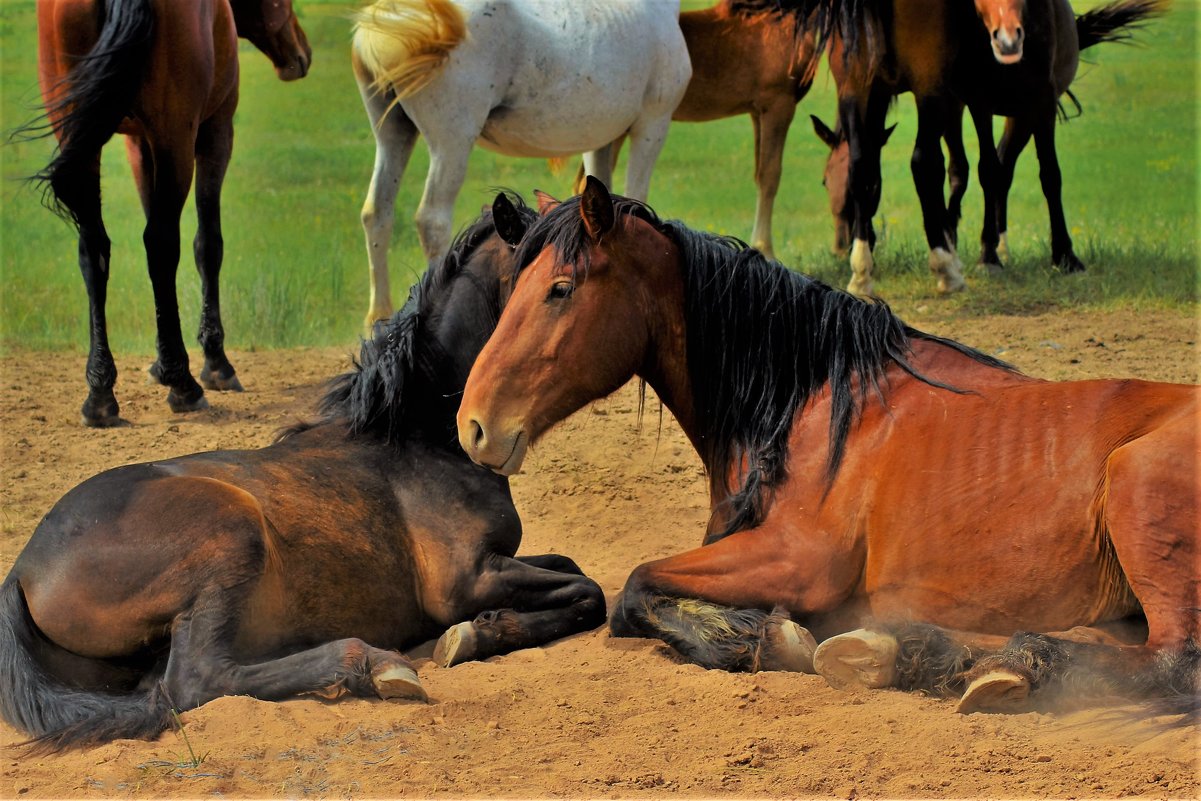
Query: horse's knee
{"type": "Point", "coordinates": [433, 229]}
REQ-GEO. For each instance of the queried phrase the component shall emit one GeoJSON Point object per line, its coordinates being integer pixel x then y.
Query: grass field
{"type": "Point", "coordinates": [295, 270]}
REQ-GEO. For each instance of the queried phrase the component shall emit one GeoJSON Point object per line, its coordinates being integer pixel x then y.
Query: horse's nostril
{"type": "Point", "coordinates": [477, 434]}
{"type": "Point", "coordinates": [1018, 34]}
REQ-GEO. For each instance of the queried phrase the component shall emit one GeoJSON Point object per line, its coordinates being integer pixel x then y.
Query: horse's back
{"type": "Point", "coordinates": [557, 78]}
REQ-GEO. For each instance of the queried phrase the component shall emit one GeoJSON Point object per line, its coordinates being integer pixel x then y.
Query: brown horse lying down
{"type": "Point", "coordinates": [860, 471]}
{"type": "Point", "coordinates": [298, 568]}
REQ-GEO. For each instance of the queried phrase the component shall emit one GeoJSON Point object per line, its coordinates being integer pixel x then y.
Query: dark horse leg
{"type": "Point", "coordinates": [958, 175]}
{"type": "Point", "coordinates": [1015, 138]}
{"type": "Point", "coordinates": [214, 145]}
{"type": "Point", "coordinates": [1062, 254]}
{"type": "Point", "coordinates": [863, 121]}
{"type": "Point", "coordinates": [991, 184]}
{"type": "Point", "coordinates": [929, 175]}
{"type": "Point", "coordinates": [525, 602]}
{"type": "Point", "coordinates": [164, 176]}
{"type": "Point", "coordinates": [100, 410]}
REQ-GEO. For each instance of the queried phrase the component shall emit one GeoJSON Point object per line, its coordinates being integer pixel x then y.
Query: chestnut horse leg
{"type": "Point", "coordinates": [929, 175]}
{"type": "Point", "coordinates": [200, 667]}
{"type": "Point", "coordinates": [526, 602]}
{"type": "Point", "coordinates": [164, 176]}
{"type": "Point", "coordinates": [711, 603]}
{"type": "Point", "coordinates": [1015, 138]}
{"type": "Point", "coordinates": [1062, 255]}
{"type": "Point", "coordinates": [100, 410]}
{"type": "Point", "coordinates": [214, 145]}
{"type": "Point", "coordinates": [771, 130]}
{"type": "Point", "coordinates": [395, 137]}
{"type": "Point", "coordinates": [990, 184]}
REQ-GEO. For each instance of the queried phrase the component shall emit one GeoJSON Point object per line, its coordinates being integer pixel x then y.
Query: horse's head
{"type": "Point", "coordinates": [1003, 20]}
{"type": "Point", "coordinates": [836, 180]}
{"type": "Point", "coordinates": [575, 329]}
{"type": "Point", "coordinates": [272, 27]}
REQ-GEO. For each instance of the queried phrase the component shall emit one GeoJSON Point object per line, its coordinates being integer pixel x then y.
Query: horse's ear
{"type": "Point", "coordinates": [508, 222]}
{"type": "Point", "coordinates": [824, 133]}
{"type": "Point", "coordinates": [546, 203]}
{"type": "Point", "coordinates": [596, 207]}
{"type": "Point", "coordinates": [887, 133]}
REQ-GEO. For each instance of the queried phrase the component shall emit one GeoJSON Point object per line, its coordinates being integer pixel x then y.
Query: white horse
{"type": "Point", "coordinates": [542, 78]}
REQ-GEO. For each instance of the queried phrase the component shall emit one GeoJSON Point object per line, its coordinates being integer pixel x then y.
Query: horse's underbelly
{"type": "Point", "coordinates": [542, 133]}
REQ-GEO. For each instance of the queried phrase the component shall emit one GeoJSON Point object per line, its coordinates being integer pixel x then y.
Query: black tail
{"type": "Point", "coordinates": [59, 717]}
{"type": "Point", "coordinates": [1116, 22]}
{"type": "Point", "coordinates": [98, 92]}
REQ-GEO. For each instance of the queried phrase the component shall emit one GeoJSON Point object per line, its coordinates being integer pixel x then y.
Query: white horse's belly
{"type": "Point", "coordinates": [539, 134]}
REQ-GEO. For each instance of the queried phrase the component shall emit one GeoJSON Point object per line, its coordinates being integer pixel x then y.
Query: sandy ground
{"type": "Point", "coordinates": [589, 716]}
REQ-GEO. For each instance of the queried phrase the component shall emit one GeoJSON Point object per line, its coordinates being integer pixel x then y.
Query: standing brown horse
{"type": "Point", "coordinates": [165, 74]}
{"type": "Point", "coordinates": [1110, 23]}
{"type": "Point", "coordinates": [755, 57]}
{"type": "Point", "coordinates": [299, 568]}
{"type": "Point", "coordinates": [859, 470]}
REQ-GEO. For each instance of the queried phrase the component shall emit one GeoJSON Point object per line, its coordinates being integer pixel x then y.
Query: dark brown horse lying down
{"type": "Point", "coordinates": [862, 473]}
{"type": "Point", "coordinates": [299, 568]}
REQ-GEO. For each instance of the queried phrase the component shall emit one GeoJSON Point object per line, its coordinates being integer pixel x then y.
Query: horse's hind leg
{"type": "Point", "coordinates": [1062, 254]}
{"type": "Point", "coordinates": [771, 132]}
{"type": "Point", "coordinates": [214, 145]}
{"type": "Point", "coordinates": [100, 410]}
{"type": "Point", "coordinates": [164, 176]}
{"type": "Point", "coordinates": [958, 174]}
{"type": "Point", "coordinates": [599, 164]}
{"type": "Point", "coordinates": [929, 175]}
{"type": "Point", "coordinates": [646, 140]}
{"type": "Point", "coordinates": [395, 137]}
{"type": "Point", "coordinates": [1013, 141]}
{"type": "Point", "coordinates": [200, 667]}
{"type": "Point", "coordinates": [525, 602]}
{"type": "Point", "coordinates": [990, 185]}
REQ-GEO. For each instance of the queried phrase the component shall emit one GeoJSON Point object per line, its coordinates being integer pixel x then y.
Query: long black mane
{"type": "Point", "coordinates": [761, 341]}
{"type": "Point", "coordinates": [399, 380]}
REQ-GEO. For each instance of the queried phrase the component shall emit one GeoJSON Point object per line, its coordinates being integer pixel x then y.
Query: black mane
{"type": "Point", "coordinates": [381, 396]}
{"type": "Point", "coordinates": [761, 340]}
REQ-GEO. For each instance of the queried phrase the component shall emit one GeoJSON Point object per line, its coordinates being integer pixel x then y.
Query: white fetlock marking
{"type": "Point", "coordinates": [1003, 247]}
{"type": "Point", "coordinates": [948, 270]}
{"type": "Point", "coordinates": [861, 270]}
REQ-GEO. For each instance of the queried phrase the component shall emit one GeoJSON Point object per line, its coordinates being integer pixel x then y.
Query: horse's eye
{"type": "Point", "coordinates": [560, 290]}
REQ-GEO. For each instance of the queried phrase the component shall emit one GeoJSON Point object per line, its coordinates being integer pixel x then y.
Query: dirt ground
{"type": "Point", "coordinates": [589, 716]}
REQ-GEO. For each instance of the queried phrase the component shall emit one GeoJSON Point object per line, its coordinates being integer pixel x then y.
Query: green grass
{"type": "Point", "coordinates": [295, 271]}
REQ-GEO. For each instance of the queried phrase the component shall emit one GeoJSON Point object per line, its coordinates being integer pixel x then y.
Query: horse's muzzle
{"type": "Point", "coordinates": [493, 447]}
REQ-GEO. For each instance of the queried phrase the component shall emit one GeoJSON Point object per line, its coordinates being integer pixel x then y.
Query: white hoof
{"type": "Point", "coordinates": [859, 659]}
{"type": "Point", "coordinates": [398, 681]}
{"type": "Point", "coordinates": [998, 691]}
{"type": "Point", "coordinates": [948, 270]}
{"type": "Point", "coordinates": [456, 646]}
{"type": "Point", "coordinates": [790, 647]}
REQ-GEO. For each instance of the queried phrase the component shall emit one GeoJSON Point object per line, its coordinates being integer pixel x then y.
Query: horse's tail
{"type": "Point", "coordinates": [1116, 22]}
{"type": "Point", "coordinates": [85, 109]}
{"type": "Point", "coordinates": [60, 717]}
{"type": "Point", "coordinates": [402, 43]}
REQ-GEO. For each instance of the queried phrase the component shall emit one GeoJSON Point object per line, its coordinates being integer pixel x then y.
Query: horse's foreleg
{"type": "Point", "coordinates": [214, 146]}
{"type": "Point", "coordinates": [727, 605]}
{"type": "Point", "coordinates": [929, 175]}
{"type": "Point", "coordinates": [990, 185]}
{"type": "Point", "coordinates": [600, 164]}
{"type": "Point", "coordinates": [164, 176]}
{"type": "Point", "coordinates": [864, 126]}
{"type": "Point", "coordinates": [958, 174]}
{"type": "Point", "coordinates": [521, 603]}
{"type": "Point", "coordinates": [771, 131]}
{"type": "Point", "coordinates": [100, 409]}
{"type": "Point", "coordinates": [395, 137]}
{"type": "Point", "coordinates": [1062, 254]}
{"type": "Point", "coordinates": [646, 140]}
{"type": "Point", "coordinates": [1015, 138]}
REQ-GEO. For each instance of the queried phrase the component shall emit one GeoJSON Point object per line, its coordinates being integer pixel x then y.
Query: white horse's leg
{"type": "Point", "coordinates": [599, 163]}
{"type": "Point", "coordinates": [646, 140]}
{"type": "Point", "coordinates": [448, 169]}
{"type": "Point", "coordinates": [395, 136]}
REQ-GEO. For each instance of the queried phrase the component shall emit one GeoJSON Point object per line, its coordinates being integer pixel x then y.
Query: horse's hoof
{"type": "Point", "coordinates": [398, 682]}
{"type": "Point", "coordinates": [456, 646]}
{"type": "Point", "coordinates": [211, 379]}
{"type": "Point", "coordinates": [789, 647]}
{"type": "Point", "coordinates": [154, 374]}
{"type": "Point", "coordinates": [992, 267]}
{"type": "Point", "coordinates": [996, 691]}
{"type": "Point", "coordinates": [103, 415]}
{"type": "Point", "coordinates": [859, 659]}
{"type": "Point", "coordinates": [948, 270]}
{"type": "Point", "coordinates": [1069, 263]}
{"type": "Point", "coordinates": [180, 405]}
